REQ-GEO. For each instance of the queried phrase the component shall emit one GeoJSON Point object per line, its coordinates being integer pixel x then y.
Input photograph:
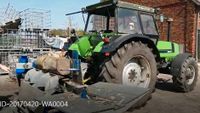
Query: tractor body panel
{"type": "Point", "coordinates": [89, 44]}
{"type": "Point", "coordinates": [118, 40]}
{"type": "Point", "coordinates": [82, 46]}
{"type": "Point", "coordinates": [98, 48]}
{"type": "Point", "coordinates": [168, 50]}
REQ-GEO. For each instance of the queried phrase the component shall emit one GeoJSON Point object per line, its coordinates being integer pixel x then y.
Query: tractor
{"type": "Point", "coordinates": [122, 46]}
{"type": "Point", "coordinates": [116, 62]}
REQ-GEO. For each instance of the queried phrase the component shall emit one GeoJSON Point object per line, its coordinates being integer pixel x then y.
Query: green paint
{"type": "Point", "coordinates": [167, 50]}
{"type": "Point", "coordinates": [89, 43]}
{"type": "Point", "coordinates": [74, 46]}
{"type": "Point", "coordinates": [98, 48]}
{"type": "Point", "coordinates": [83, 46]}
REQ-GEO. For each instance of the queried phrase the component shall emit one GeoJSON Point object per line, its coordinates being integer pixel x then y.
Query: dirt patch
{"type": "Point", "coordinates": [7, 85]}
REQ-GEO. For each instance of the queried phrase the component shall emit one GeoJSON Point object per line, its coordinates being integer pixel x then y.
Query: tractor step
{"type": "Point", "coordinates": [102, 98]}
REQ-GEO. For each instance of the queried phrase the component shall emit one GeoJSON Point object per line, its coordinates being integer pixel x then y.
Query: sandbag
{"type": "Point", "coordinates": [54, 63]}
{"type": "Point", "coordinates": [40, 61]}
{"type": "Point", "coordinates": [50, 63]}
{"type": "Point", "coordinates": [63, 66]}
{"type": "Point", "coordinates": [57, 54]}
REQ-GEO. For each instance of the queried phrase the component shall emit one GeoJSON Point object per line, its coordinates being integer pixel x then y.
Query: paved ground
{"type": "Point", "coordinates": [7, 85]}
{"type": "Point", "coordinates": [164, 100]}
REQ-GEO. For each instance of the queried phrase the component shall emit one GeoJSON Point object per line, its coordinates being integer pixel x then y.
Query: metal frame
{"type": "Point", "coordinates": [34, 25]}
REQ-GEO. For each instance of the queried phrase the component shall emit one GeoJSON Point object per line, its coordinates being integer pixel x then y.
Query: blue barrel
{"type": "Point", "coordinates": [20, 70]}
{"type": "Point", "coordinates": [23, 59]}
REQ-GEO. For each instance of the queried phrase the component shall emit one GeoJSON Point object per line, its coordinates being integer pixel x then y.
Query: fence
{"type": "Point", "coordinates": [10, 57]}
{"type": "Point", "coordinates": [34, 23]}
{"type": "Point", "coordinates": [18, 39]}
{"type": "Point", "coordinates": [12, 42]}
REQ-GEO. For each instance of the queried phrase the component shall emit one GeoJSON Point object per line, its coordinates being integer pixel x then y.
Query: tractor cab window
{"type": "Point", "coordinates": [148, 24]}
{"type": "Point", "coordinates": [128, 21]}
{"type": "Point", "coordinates": [99, 23]}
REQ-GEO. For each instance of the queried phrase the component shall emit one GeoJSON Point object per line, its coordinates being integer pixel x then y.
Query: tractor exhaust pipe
{"type": "Point", "coordinates": [169, 21]}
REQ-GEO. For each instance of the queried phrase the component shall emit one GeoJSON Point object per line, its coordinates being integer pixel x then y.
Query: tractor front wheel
{"type": "Point", "coordinates": [185, 80]}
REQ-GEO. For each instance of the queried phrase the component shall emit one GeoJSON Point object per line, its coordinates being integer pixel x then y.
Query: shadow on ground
{"type": "Point", "coordinates": [167, 86]}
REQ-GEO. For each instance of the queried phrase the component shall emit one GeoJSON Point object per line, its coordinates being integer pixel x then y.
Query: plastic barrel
{"type": "Point", "coordinates": [20, 70]}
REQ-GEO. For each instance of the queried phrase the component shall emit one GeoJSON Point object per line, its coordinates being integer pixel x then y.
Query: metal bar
{"type": "Point", "coordinates": [74, 13]}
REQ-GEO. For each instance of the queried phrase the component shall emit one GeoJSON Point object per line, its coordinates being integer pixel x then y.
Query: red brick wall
{"type": "Point", "coordinates": [199, 22]}
{"type": "Point", "coordinates": [191, 27]}
{"type": "Point", "coordinates": [184, 16]}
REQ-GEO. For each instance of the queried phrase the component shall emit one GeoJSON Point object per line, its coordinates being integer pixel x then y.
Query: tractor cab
{"type": "Point", "coordinates": [112, 19]}
{"type": "Point", "coordinates": [121, 17]}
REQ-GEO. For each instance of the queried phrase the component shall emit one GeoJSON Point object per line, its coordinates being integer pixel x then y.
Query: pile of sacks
{"type": "Point", "coordinates": [54, 62]}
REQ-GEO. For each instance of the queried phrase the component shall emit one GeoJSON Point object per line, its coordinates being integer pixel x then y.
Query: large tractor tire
{"type": "Point", "coordinates": [185, 73]}
{"type": "Point", "coordinates": [133, 65]}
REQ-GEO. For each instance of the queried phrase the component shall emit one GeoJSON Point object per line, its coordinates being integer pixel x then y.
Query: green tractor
{"type": "Point", "coordinates": [122, 46]}
{"type": "Point", "coordinates": [114, 65]}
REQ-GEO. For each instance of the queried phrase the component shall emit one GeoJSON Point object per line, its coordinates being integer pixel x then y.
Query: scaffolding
{"type": "Point", "coordinates": [8, 14]}
{"type": "Point", "coordinates": [35, 19]}
{"type": "Point", "coordinates": [35, 23]}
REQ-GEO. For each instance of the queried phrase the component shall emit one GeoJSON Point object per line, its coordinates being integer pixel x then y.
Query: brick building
{"type": "Point", "coordinates": [185, 25]}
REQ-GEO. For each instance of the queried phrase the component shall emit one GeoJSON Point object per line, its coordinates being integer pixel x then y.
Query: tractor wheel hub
{"type": "Point", "coordinates": [132, 74]}
{"type": "Point", "coordinates": [190, 74]}
{"type": "Point", "coordinates": [137, 72]}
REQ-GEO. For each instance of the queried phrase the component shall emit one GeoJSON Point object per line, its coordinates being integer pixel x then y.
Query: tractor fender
{"type": "Point", "coordinates": [177, 63]}
{"type": "Point", "coordinates": [123, 39]}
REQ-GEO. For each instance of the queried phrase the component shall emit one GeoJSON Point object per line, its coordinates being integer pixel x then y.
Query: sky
{"type": "Point", "coordinates": [58, 9]}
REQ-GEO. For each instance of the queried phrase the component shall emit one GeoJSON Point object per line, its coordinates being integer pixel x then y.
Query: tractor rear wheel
{"type": "Point", "coordinates": [133, 65]}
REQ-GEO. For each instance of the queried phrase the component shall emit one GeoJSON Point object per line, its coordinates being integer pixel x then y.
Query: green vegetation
{"type": "Point", "coordinates": [64, 32]}
{"type": "Point", "coordinates": [58, 32]}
